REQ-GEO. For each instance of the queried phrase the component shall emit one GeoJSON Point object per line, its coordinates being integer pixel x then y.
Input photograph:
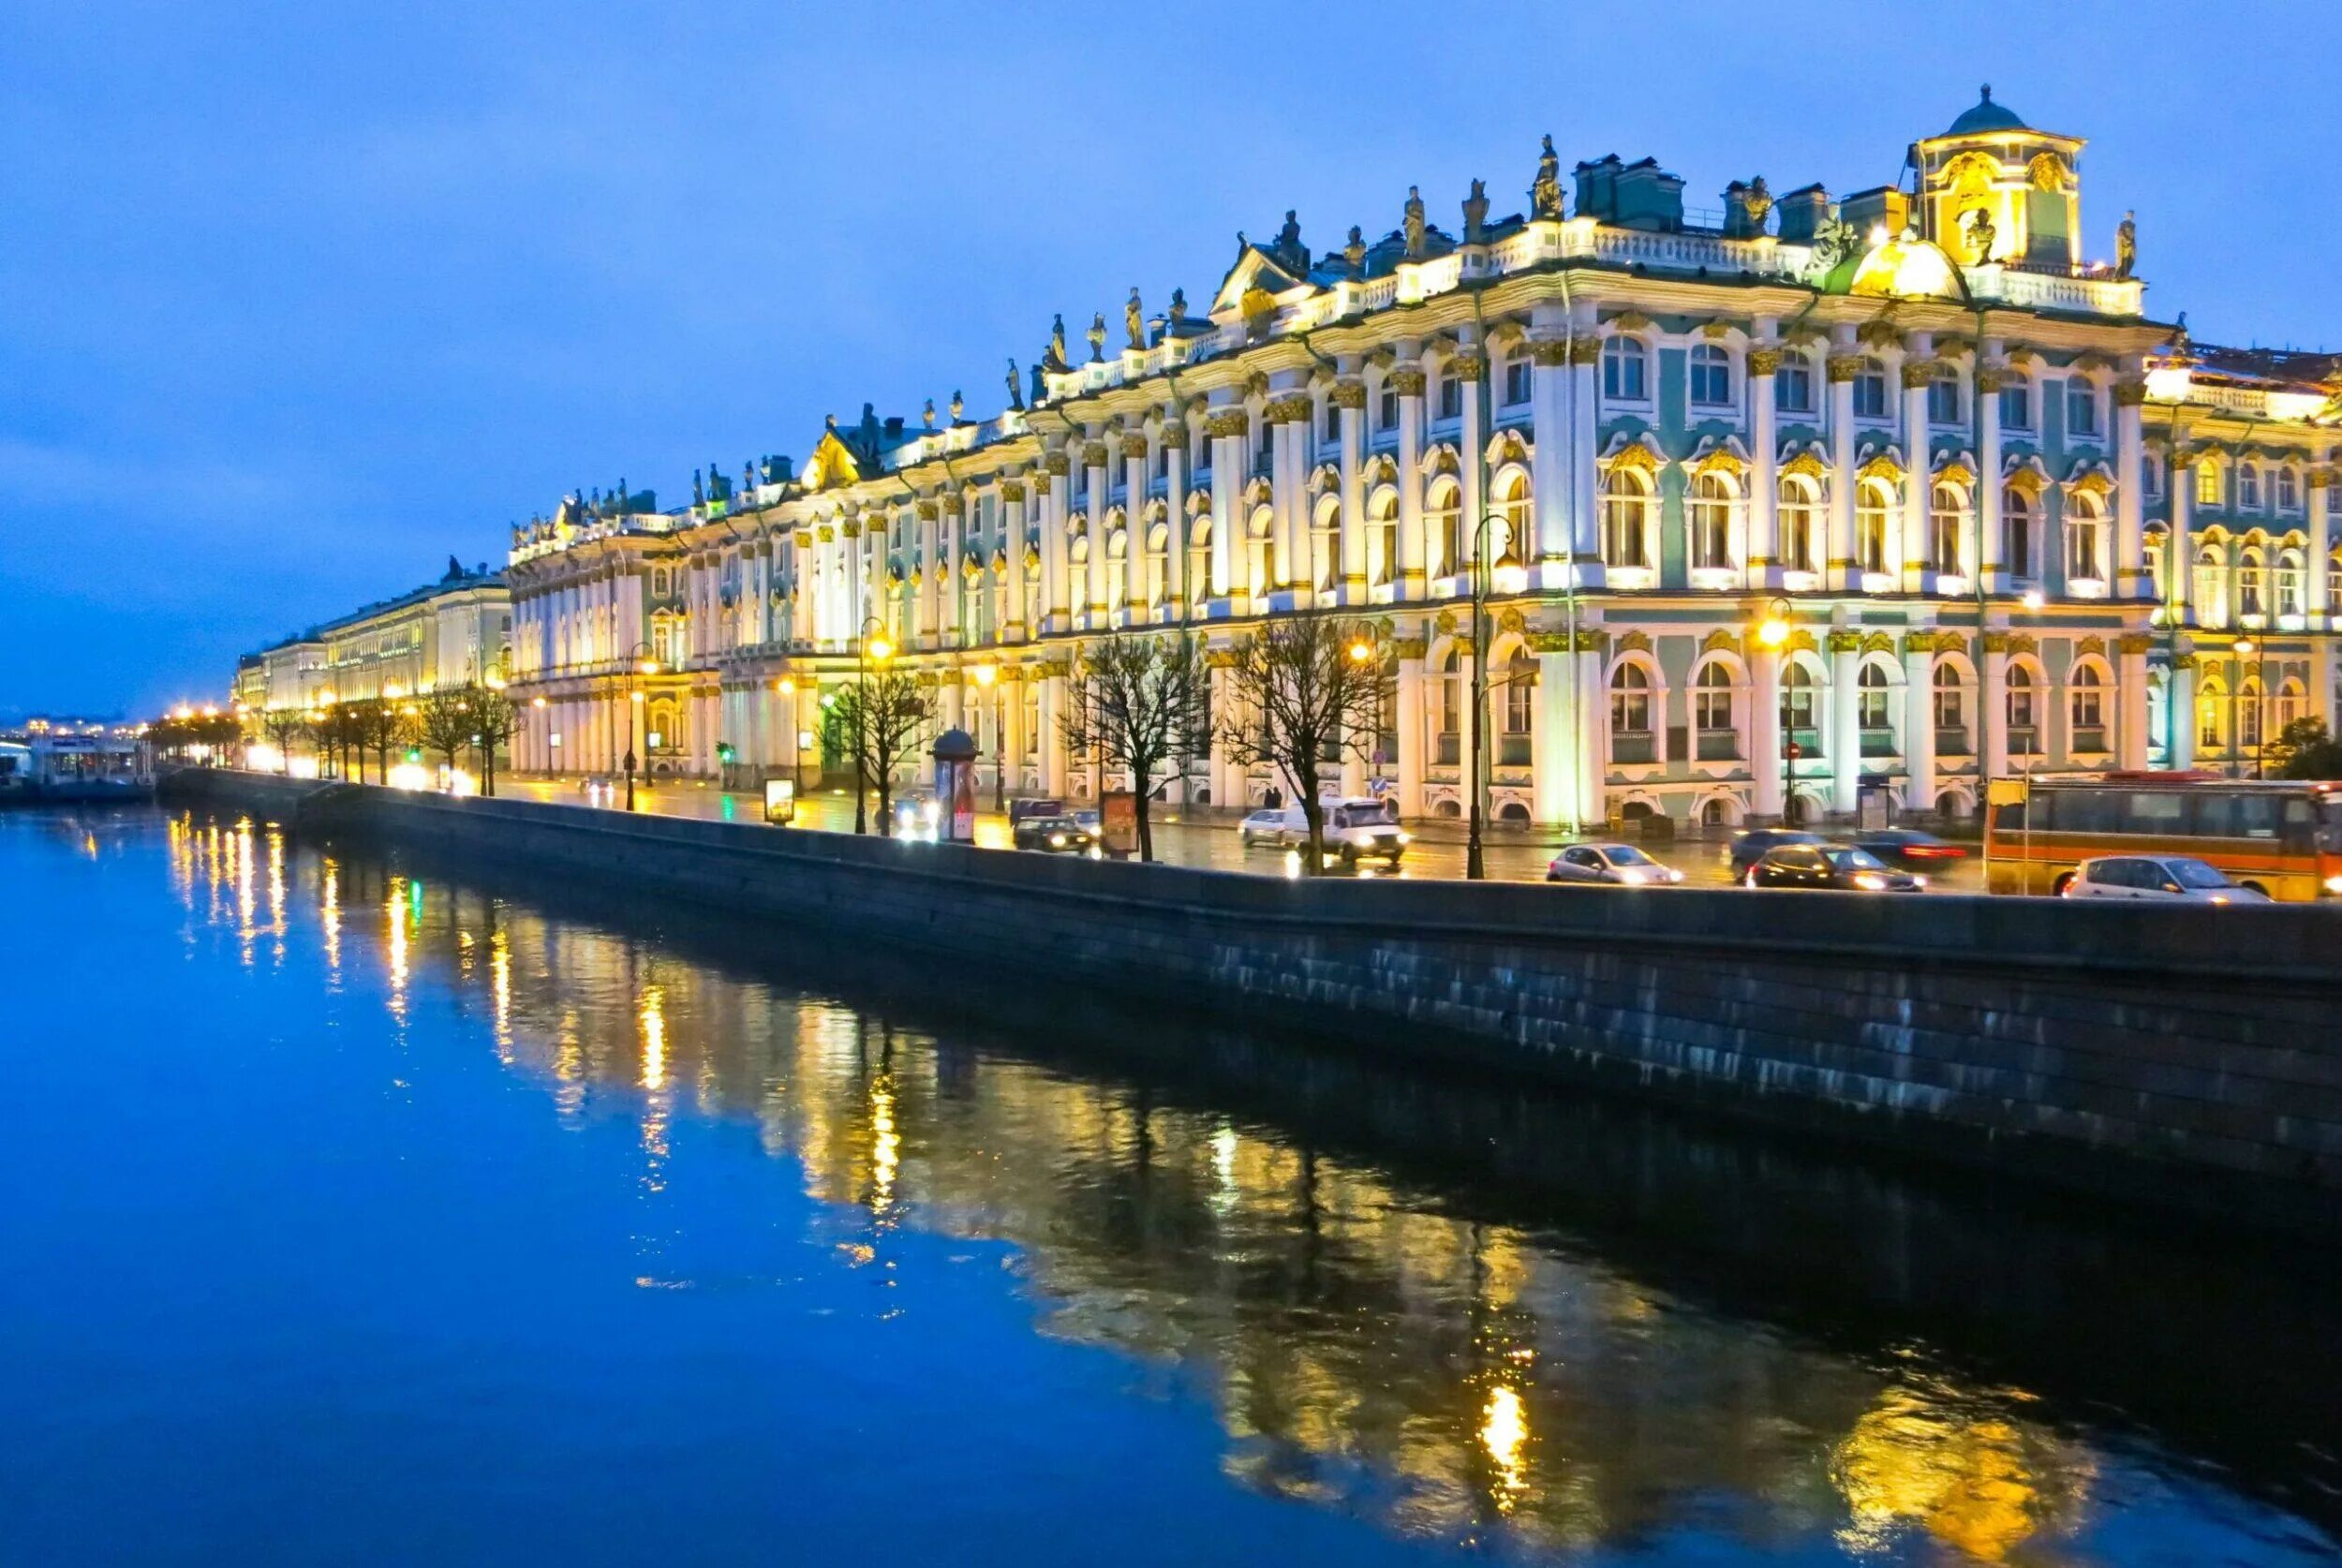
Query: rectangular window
{"type": "Point", "coordinates": [2081, 408]}
{"type": "Point", "coordinates": [1450, 396]}
{"type": "Point", "coordinates": [1869, 394]}
{"type": "Point", "coordinates": [1793, 385]}
{"type": "Point", "coordinates": [1386, 406]}
{"type": "Point", "coordinates": [2207, 486]}
{"type": "Point", "coordinates": [1943, 402]}
{"type": "Point", "coordinates": [1333, 420]}
{"type": "Point", "coordinates": [2016, 406]}
{"type": "Point", "coordinates": [1516, 382]}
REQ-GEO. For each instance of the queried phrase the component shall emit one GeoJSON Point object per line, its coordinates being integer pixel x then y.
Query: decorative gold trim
{"type": "Point", "coordinates": [1764, 362]}
{"type": "Point", "coordinates": [1348, 394]}
{"type": "Point", "coordinates": [1845, 367]}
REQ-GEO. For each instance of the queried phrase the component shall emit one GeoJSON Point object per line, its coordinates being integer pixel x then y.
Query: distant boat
{"type": "Point", "coordinates": [16, 772]}
{"type": "Point", "coordinates": [91, 767]}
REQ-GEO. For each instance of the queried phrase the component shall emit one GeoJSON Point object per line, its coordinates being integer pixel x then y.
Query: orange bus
{"type": "Point", "coordinates": [2281, 836]}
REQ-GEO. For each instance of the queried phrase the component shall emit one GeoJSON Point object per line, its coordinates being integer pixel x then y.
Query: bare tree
{"type": "Point", "coordinates": [1135, 701]}
{"type": "Point", "coordinates": [1306, 693]}
{"type": "Point", "coordinates": [878, 721]}
{"type": "Point", "coordinates": [283, 727]}
{"type": "Point", "coordinates": [445, 723]}
{"type": "Point", "coordinates": [382, 727]}
{"type": "Point", "coordinates": [495, 720]}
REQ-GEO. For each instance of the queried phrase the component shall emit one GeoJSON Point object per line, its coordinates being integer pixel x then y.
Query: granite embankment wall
{"type": "Point", "coordinates": [2190, 1056]}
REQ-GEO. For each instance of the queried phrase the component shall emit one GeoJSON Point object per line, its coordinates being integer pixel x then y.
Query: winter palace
{"type": "Point", "coordinates": [1809, 506]}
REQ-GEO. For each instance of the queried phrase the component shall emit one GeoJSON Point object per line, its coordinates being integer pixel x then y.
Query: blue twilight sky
{"type": "Point", "coordinates": [298, 299]}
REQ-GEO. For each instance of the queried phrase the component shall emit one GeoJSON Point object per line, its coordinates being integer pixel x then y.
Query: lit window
{"type": "Point", "coordinates": [2016, 534]}
{"type": "Point", "coordinates": [2207, 484]}
{"type": "Point", "coordinates": [2088, 698]}
{"type": "Point", "coordinates": [1627, 502]}
{"type": "Point", "coordinates": [1713, 698]}
{"type": "Point", "coordinates": [1799, 512]}
{"type": "Point", "coordinates": [1947, 517]}
{"type": "Point", "coordinates": [1712, 521]}
{"type": "Point", "coordinates": [1951, 699]}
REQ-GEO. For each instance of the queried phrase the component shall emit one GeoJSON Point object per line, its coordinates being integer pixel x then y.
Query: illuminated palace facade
{"type": "Point", "coordinates": [453, 632]}
{"type": "Point", "coordinates": [1899, 472]}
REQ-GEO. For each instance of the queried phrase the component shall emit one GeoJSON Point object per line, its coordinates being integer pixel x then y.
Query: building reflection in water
{"type": "Point", "coordinates": [1362, 1343]}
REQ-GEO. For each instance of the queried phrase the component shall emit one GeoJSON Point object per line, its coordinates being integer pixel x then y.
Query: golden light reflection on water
{"type": "Point", "coordinates": [1362, 1347]}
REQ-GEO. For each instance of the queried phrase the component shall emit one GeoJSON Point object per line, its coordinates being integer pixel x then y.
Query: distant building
{"type": "Point", "coordinates": [1798, 508]}
{"type": "Point", "coordinates": [453, 632]}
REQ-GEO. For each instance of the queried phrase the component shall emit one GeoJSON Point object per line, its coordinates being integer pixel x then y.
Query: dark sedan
{"type": "Point", "coordinates": [1910, 848]}
{"type": "Point", "coordinates": [1750, 847]}
{"type": "Point", "coordinates": [1828, 866]}
{"type": "Point", "coordinates": [1055, 835]}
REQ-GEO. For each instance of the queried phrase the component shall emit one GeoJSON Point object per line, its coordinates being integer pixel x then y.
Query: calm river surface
{"type": "Point", "coordinates": [366, 1210]}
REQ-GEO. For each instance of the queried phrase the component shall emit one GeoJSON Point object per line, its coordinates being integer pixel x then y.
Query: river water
{"type": "Point", "coordinates": [367, 1211]}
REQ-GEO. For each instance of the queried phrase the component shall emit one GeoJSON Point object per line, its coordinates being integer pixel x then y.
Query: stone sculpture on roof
{"type": "Point", "coordinates": [1134, 319]}
{"type": "Point", "coordinates": [1415, 223]}
{"type": "Point", "coordinates": [1545, 194]}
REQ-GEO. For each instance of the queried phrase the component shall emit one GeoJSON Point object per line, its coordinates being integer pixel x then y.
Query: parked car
{"type": "Point", "coordinates": [1265, 826]}
{"type": "Point", "coordinates": [1041, 806]}
{"type": "Point", "coordinates": [1620, 865]}
{"type": "Point", "coordinates": [1355, 829]}
{"type": "Point", "coordinates": [1748, 847]}
{"type": "Point", "coordinates": [1841, 866]}
{"type": "Point", "coordinates": [918, 817]}
{"type": "Point", "coordinates": [2171, 879]}
{"type": "Point", "coordinates": [1058, 835]}
{"type": "Point", "coordinates": [1909, 848]}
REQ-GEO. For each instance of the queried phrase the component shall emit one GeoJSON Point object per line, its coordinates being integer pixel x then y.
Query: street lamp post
{"type": "Point", "coordinates": [2239, 651]}
{"type": "Point", "coordinates": [1483, 572]}
{"type": "Point", "coordinates": [639, 661]}
{"type": "Point", "coordinates": [787, 688]}
{"type": "Point", "coordinates": [865, 648]}
{"type": "Point", "coordinates": [1774, 632]}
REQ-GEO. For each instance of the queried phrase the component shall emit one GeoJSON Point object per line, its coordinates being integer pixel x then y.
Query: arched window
{"type": "Point", "coordinates": [1799, 510]}
{"type": "Point", "coordinates": [2290, 698]}
{"type": "Point", "coordinates": [1800, 705]}
{"type": "Point", "coordinates": [2250, 711]}
{"type": "Point", "coordinates": [1950, 702]}
{"type": "Point", "coordinates": [1871, 697]}
{"type": "Point", "coordinates": [1325, 565]}
{"type": "Point", "coordinates": [1712, 521]}
{"type": "Point", "coordinates": [1382, 537]}
{"type": "Point", "coordinates": [2021, 710]}
{"type": "Point", "coordinates": [1710, 377]}
{"type": "Point", "coordinates": [1520, 709]}
{"type": "Point", "coordinates": [2156, 574]}
{"type": "Point", "coordinates": [1715, 712]}
{"type": "Point", "coordinates": [1447, 709]}
{"type": "Point", "coordinates": [2290, 584]}
{"type": "Point", "coordinates": [1624, 370]}
{"type": "Point", "coordinates": [1514, 511]}
{"type": "Point", "coordinates": [2252, 583]}
{"type": "Point", "coordinates": [1442, 528]}
{"type": "Point", "coordinates": [1631, 739]}
{"type": "Point", "coordinates": [1793, 383]}
{"type": "Point", "coordinates": [2085, 537]}
{"type": "Point", "coordinates": [1947, 520]}
{"type": "Point", "coordinates": [2085, 697]}
{"type": "Point", "coordinates": [2212, 709]}
{"type": "Point", "coordinates": [1625, 517]}
{"type": "Point", "coordinates": [2207, 484]}
{"type": "Point", "coordinates": [2249, 487]}
{"type": "Point", "coordinates": [2288, 489]}
{"type": "Point", "coordinates": [1874, 503]}
{"type": "Point", "coordinates": [2211, 586]}
{"type": "Point", "coordinates": [1264, 532]}
{"type": "Point", "coordinates": [2016, 534]}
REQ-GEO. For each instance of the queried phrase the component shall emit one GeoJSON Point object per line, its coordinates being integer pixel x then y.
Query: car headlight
{"type": "Point", "coordinates": [1919, 882]}
{"type": "Point", "coordinates": [2217, 898]}
{"type": "Point", "coordinates": [2333, 884]}
{"type": "Point", "coordinates": [1057, 841]}
{"type": "Point", "coordinates": [1633, 876]}
{"type": "Point", "coordinates": [1673, 875]}
{"type": "Point", "coordinates": [1870, 879]}
{"type": "Point", "coordinates": [1405, 838]}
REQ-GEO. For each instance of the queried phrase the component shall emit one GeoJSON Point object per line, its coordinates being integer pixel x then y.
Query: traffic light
{"type": "Point", "coordinates": [414, 753]}
{"type": "Point", "coordinates": [724, 752]}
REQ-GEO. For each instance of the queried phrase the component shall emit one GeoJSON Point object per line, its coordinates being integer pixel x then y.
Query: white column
{"type": "Point", "coordinates": [1409, 577]}
{"type": "Point", "coordinates": [2131, 697]}
{"type": "Point", "coordinates": [1225, 428]}
{"type": "Point", "coordinates": [1915, 372]}
{"type": "Point", "coordinates": [2317, 581]}
{"type": "Point", "coordinates": [1582, 413]}
{"type": "Point", "coordinates": [1992, 722]}
{"type": "Point", "coordinates": [1548, 411]}
{"type": "Point", "coordinates": [1472, 366]}
{"type": "Point", "coordinates": [1765, 764]}
{"type": "Point", "coordinates": [2130, 482]}
{"type": "Point", "coordinates": [1175, 584]}
{"type": "Point", "coordinates": [1554, 778]}
{"type": "Point", "coordinates": [2180, 709]}
{"type": "Point", "coordinates": [1845, 571]}
{"type": "Point", "coordinates": [1053, 736]}
{"type": "Point", "coordinates": [1056, 564]}
{"type": "Point", "coordinates": [1992, 559]}
{"type": "Point", "coordinates": [1762, 562]}
{"type": "Point", "coordinates": [2178, 556]}
{"type": "Point", "coordinates": [1135, 455]}
{"type": "Point", "coordinates": [1409, 728]}
{"type": "Point", "coordinates": [1919, 728]}
{"type": "Point", "coordinates": [1287, 479]}
{"type": "Point", "coordinates": [1095, 458]}
{"type": "Point", "coordinates": [1590, 738]}
{"type": "Point", "coordinates": [1014, 545]}
{"type": "Point", "coordinates": [1846, 729]}
{"type": "Point", "coordinates": [1350, 396]}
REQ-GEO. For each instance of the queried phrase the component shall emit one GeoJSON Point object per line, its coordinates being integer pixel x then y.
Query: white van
{"type": "Point", "coordinates": [1356, 830]}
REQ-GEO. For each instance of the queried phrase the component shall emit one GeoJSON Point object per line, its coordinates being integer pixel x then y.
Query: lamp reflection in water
{"type": "Point", "coordinates": [330, 919]}
{"type": "Point", "coordinates": [1504, 1433]}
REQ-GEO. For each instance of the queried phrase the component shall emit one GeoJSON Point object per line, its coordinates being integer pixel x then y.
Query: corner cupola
{"type": "Point", "coordinates": [1994, 190]}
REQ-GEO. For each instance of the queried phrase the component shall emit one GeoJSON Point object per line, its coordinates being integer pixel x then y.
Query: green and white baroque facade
{"type": "Point", "coordinates": [1913, 423]}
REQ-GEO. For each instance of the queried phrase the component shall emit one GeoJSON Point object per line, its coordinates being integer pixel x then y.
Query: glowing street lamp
{"type": "Point", "coordinates": [1774, 633]}
{"type": "Point", "coordinates": [988, 678]}
{"type": "Point", "coordinates": [869, 647]}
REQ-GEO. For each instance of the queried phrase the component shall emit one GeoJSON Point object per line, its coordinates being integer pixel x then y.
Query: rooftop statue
{"type": "Point", "coordinates": [1476, 213]}
{"type": "Point", "coordinates": [1982, 233]}
{"type": "Point", "coordinates": [927, 415]}
{"type": "Point", "coordinates": [698, 488]}
{"type": "Point", "coordinates": [1055, 359]}
{"type": "Point", "coordinates": [1178, 305]}
{"type": "Point", "coordinates": [1760, 200]}
{"type": "Point", "coordinates": [1134, 319]}
{"type": "Point", "coordinates": [1544, 195]}
{"type": "Point", "coordinates": [1015, 391]}
{"type": "Point", "coordinates": [1355, 252]}
{"type": "Point", "coordinates": [957, 406]}
{"type": "Point", "coordinates": [2126, 245]}
{"type": "Point", "coordinates": [1415, 223]}
{"type": "Point", "coordinates": [1097, 335]}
